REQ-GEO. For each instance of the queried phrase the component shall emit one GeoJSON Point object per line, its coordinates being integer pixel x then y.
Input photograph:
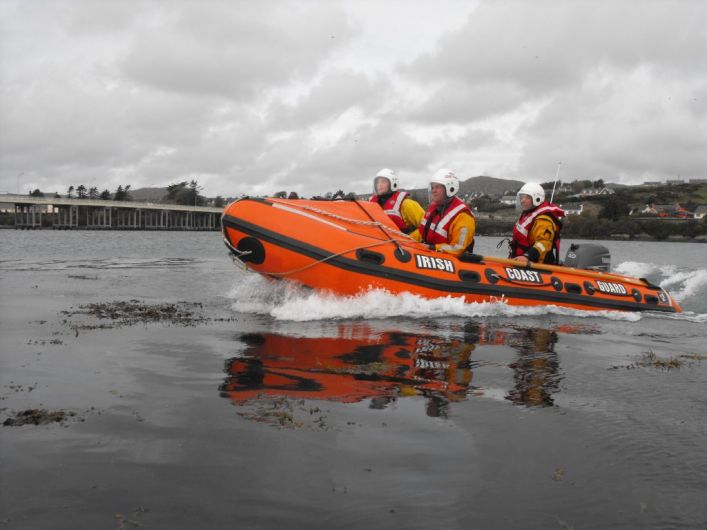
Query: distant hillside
{"type": "Point", "coordinates": [148, 194]}
{"type": "Point", "coordinates": [483, 184]}
{"type": "Point", "coordinates": [490, 185]}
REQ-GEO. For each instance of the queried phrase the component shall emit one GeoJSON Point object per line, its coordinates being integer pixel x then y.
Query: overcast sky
{"type": "Point", "coordinates": [313, 96]}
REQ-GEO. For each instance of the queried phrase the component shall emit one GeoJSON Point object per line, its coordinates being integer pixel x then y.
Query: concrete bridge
{"type": "Point", "coordinates": [93, 214]}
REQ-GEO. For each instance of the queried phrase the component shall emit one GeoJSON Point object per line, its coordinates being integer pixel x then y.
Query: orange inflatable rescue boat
{"type": "Point", "coordinates": [349, 247]}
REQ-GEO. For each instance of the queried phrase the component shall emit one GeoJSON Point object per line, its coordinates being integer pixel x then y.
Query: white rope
{"type": "Point", "coordinates": [354, 221]}
{"type": "Point", "coordinates": [310, 265]}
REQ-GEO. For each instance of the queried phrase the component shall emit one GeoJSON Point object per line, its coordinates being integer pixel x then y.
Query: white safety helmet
{"type": "Point", "coordinates": [448, 179]}
{"type": "Point", "coordinates": [535, 191]}
{"type": "Point", "coordinates": [390, 176]}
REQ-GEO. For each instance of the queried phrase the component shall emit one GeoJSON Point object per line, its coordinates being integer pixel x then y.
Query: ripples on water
{"type": "Point", "coordinates": [112, 263]}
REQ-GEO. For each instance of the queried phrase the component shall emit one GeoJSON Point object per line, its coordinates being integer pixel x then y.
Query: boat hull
{"type": "Point", "coordinates": [349, 247]}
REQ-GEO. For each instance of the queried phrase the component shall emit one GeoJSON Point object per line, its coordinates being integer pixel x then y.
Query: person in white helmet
{"type": "Point", "coordinates": [448, 224]}
{"type": "Point", "coordinates": [403, 210]}
{"type": "Point", "coordinates": [536, 234]}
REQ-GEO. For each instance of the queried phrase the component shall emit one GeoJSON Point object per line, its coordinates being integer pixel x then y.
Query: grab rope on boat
{"type": "Point", "coordinates": [353, 221]}
{"type": "Point", "coordinates": [309, 265]}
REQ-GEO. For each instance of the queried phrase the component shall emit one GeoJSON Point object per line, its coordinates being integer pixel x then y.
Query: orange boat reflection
{"type": "Point", "coordinates": [354, 366]}
{"type": "Point", "coordinates": [349, 369]}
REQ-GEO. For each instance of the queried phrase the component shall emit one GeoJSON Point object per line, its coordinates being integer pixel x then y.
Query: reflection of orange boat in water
{"type": "Point", "coordinates": [350, 369]}
{"type": "Point", "coordinates": [384, 367]}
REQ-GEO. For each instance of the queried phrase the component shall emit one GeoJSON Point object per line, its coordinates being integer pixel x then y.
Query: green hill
{"type": "Point", "coordinates": [148, 194]}
{"type": "Point", "coordinates": [490, 185]}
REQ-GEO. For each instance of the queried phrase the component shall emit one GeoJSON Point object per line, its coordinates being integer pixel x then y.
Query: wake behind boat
{"type": "Point", "coordinates": [349, 247]}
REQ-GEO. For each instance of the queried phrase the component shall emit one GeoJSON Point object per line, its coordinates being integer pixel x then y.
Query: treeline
{"type": "Point", "coordinates": [185, 193]}
{"type": "Point", "coordinates": [328, 196]}
{"type": "Point", "coordinates": [122, 193]}
{"type": "Point", "coordinates": [587, 227]}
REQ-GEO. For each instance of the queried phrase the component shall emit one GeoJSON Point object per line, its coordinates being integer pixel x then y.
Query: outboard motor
{"type": "Point", "coordinates": [588, 256]}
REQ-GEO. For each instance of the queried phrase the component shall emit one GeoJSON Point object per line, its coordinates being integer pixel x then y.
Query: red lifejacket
{"type": "Point", "coordinates": [434, 225]}
{"type": "Point", "coordinates": [392, 208]}
{"type": "Point", "coordinates": [521, 244]}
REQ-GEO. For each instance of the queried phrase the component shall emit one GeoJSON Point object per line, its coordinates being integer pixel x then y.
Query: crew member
{"type": "Point", "coordinates": [448, 224]}
{"type": "Point", "coordinates": [536, 234]}
{"type": "Point", "coordinates": [404, 211]}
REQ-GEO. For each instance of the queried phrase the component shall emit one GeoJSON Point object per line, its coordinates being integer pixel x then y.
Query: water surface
{"type": "Point", "coordinates": [237, 402]}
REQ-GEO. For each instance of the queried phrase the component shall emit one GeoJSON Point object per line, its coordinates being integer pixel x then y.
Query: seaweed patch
{"type": "Point", "coordinates": [37, 417]}
{"type": "Point", "coordinates": [131, 312]}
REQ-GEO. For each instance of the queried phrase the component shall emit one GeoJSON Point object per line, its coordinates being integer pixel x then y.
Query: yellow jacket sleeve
{"type": "Point", "coordinates": [412, 213]}
{"type": "Point", "coordinates": [460, 234]}
{"type": "Point", "coordinates": [540, 238]}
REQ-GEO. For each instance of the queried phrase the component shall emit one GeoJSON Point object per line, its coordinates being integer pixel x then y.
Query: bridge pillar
{"type": "Point", "coordinates": [98, 218]}
{"type": "Point", "coordinates": [28, 216]}
{"type": "Point", "coordinates": [66, 217]}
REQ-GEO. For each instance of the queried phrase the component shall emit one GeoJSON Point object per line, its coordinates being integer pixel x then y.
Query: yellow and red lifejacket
{"type": "Point", "coordinates": [524, 226]}
{"type": "Point", "coordinates": [392, 208]}
{"type": "Point", "coordinates": [434, 226]}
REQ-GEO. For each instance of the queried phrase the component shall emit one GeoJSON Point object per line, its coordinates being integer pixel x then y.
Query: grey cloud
{"type": "Point", "coordinates": [82, 120]}
{"type": "Point", "coordinates": [72, 120]}
{"type": "Point", "coordinates": [335, 94]}
{"type": "Point", "coordinates": [461, 102]}
{"type": "Point", "coordinates": [214, 145]}
{"type": "Point", "coordinates": [544, 46]}
{"type": "Point", "coordinates": [589, 68]}
{"type": "Point", "coordinates": [350, 163]}
{"type": "Point", "coordinates": [696, 102]}
{"type": "Point", "coordinates": [369, 147]}
{"type": "Point", "coordinates": [651, 137]}
{"type": "Point", "coordinates": [151, 92]}
{"type": "Point", "coordinates": [72, 129]}
{"type": "Point", "coordinates": [234, 50]}
{"type": "Point", "coordinates": [102, 17]}
{"type": "Point", "coordinates": [474, 140]}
